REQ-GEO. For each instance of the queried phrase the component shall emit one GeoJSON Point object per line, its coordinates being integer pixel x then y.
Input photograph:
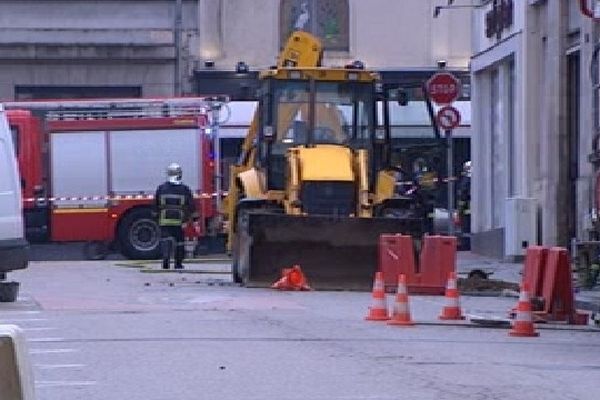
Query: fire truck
{"type": "Point", "coordinates": [89, 168]}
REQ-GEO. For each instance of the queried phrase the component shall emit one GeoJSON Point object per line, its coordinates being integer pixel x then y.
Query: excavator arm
{"type": "Point", "coordinates": [301, 50]}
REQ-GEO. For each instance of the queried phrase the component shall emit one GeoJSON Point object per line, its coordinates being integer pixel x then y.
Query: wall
{"type": "Point", "coordinates": [539, 42]}
{"type": "Point", "coordinates": [383, 33]}
{"type": "Point", "coordinates": [91, 42]}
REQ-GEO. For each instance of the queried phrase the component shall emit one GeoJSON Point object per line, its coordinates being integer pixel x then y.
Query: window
{"type": "Point", "coordinates": [326, 19]}
{"type": "Point", "coordinates": [342, 113]}
{"type": "Point", "coordinates": [14, 133]}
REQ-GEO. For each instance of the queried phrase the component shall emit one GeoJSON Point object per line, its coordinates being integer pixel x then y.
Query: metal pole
{"type": "Point", "coordinates": [177, 45]}
{"type": "Point", "coordinates": [450, 173]}
{"type": "Point", "coordinates": [214, 130]}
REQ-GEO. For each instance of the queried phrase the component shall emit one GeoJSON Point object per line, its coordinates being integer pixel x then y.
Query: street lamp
{"type": "Point", "coordinates": [241, 67]}
{"type": "Point", "coordinates": [450, 5]}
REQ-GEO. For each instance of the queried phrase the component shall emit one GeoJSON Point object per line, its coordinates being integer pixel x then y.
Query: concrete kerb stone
{"type": "Point", "coordinates": [470, 324]}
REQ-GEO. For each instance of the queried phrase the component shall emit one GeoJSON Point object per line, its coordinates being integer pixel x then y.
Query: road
{"type": "Point", "coordinates": [97, 330]}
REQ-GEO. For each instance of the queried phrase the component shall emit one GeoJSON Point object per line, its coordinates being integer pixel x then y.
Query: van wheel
{"type": "Point", "coordinates": [8, 291]}
{"type": "Point", "coordinates": [139, 235]}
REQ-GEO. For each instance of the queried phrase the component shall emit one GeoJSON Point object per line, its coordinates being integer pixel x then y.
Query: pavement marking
{"type": "Point", "coordinates": [23, 320]}
{"type": "Point", "coordinates": [52, 351]}
{"type": "Point", "coordinates": [21, 312]}
{"type": "Point", "coordinates": [46, 340]}
{"type": "Point", "coordinates": [52, 366]}
{"type": "Point", "coordinates": [45, 384]}
{"type": "Point", "coordinates": [39, 329]}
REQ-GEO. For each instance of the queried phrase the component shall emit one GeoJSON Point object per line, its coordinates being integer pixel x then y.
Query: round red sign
{"type": "Point", "coordinates": [443, 88]}
{"type": "Point", "coordinates": [448, 118]}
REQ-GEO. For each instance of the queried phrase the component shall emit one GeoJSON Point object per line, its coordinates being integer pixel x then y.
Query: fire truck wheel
{"type": "Point", "coordinates": [139, 235]}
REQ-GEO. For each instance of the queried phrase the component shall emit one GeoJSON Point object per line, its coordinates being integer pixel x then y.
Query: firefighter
{"type": "Point", "coordinates": [175, 206]}
{"type": "Point", "coordinates": [464, 197]}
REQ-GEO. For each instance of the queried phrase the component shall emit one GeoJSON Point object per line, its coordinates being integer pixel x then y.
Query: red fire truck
{"type": "Point", "coordinates": [89, 168]}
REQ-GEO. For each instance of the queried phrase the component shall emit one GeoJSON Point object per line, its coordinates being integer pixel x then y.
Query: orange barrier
{"type": "Point", "coordinates": [547, 273]}
{"type": "Point", "coordinates": [557, 287]}
{"type": "Point", "coordinates": [437, 259]}
{"type": "Point", "coordinates": [401, 310]}
{"type": "Point", "coordinates": [523, 324]}
{"type": "Point", "coordinates": [534, 269]}
{"type": "Point", "coordinates": [291, 279]}
{"type": "Point", "coordinates": [378, 310]}
{"type": "Point", "coordinates": [396, 257]}
{"type": "Point", "coordinates": [451, 310]}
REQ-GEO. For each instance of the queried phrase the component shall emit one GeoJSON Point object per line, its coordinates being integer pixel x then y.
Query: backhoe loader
{"type": "Point", "coordinates": [314, 183]}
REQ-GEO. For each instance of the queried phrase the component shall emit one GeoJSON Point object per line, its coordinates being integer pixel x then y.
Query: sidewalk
{"type": "Point", "coordinates": [588, 300]}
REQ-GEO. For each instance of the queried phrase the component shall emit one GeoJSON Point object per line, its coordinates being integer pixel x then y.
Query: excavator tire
{"type": "Point", "coordinates": [335, 253]}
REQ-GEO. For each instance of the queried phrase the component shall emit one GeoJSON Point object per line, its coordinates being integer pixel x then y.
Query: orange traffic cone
{"type": "Point", "coordinates": [378, 310]}
{"type": "Point", "coordinates": [401, 310]}
{"type": "Point", "coordinates": [291, 279]}
{"type": "Point", "coordinates": [451, 310]}
{"type": "Point", "coordinates": [523, 324]}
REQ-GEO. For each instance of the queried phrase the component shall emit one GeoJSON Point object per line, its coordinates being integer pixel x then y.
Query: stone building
{"type": "Point", "coordinates": [532, 122]}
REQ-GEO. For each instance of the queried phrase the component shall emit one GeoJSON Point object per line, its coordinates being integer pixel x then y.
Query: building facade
{"type": "Point", "coordinates": [384, 34]}
{"type": "Point", "coordinates": [85, 48]}
{"type": "Point", "coordinates": [532, 123]}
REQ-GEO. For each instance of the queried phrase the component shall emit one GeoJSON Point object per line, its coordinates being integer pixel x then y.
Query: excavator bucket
{"type": "Point", "coordinates": [335, 253]}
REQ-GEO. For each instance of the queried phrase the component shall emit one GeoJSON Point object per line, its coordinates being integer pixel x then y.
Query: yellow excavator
{"type": "Point", "coordinates": [314, 184]}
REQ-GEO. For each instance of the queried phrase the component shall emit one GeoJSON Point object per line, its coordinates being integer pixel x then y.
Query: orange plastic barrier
{"type": "Point", "coordinates": [396, 257]}
{"type": "Point", "coordinates": [438, 260]}
{"type": "Point", "coordinates": [534, 268]}
{"type": "Point", "coordinates": [547, 272]}
{"type": "Point", "coordinates": [429, 276]}
{"type": "Point", "coordinates": [557, 287]}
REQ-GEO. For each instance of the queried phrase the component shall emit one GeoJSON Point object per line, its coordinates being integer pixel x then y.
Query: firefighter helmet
{"type": "Point", "coordinates": [174, 173]}
{"type": "Point", "coordinates": [467, 169]}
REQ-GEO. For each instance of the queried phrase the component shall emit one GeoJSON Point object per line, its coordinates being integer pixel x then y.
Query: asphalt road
{"type": "Point", "coordinates": [100, 331]}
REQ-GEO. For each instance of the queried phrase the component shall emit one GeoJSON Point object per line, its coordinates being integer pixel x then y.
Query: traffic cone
{"type": "Point", "coordinates": [378, 310]}
{"type": "Point", "coordinates": [401, 310]}
{"type": "Point", "coordinates": [523, 323]}
{"type": "Point", "coordinates": [451, 310]}
{"type": "Point", "coordinates": [291, 279]}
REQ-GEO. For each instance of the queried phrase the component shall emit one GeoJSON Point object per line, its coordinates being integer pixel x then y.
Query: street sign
{"type": "Point", "coordinates": [448, 118]}
{"type": "Point", "coordinates": [443, 88]}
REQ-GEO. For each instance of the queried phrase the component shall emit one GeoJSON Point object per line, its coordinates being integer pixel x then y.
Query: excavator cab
{"type": "Point", "coordinates": [309, 109]}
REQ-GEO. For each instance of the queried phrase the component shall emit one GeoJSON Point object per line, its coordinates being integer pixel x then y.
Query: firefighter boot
{"type": "Point", "coordinates": [165, 246]}
{"type": "Point", "coordinates": [179, 254]}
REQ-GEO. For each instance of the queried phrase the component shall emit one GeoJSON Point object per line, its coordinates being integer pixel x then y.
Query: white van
{"type": "Point", "coordinates": [13, 246]}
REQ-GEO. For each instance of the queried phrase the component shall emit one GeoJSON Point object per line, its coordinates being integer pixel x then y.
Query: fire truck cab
{"type": "Point", "coordinates": [89, 169]}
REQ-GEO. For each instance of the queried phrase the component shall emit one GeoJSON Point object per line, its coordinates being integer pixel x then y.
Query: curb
{"type": "Point", "coordinates": [546, 327]}
{"type": "Point", "coordinates": [588, 305]}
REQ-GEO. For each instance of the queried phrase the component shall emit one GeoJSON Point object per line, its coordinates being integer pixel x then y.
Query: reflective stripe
{"type": "Point", "coordinates": [451, 284]}
{"type": "Point", "coordinates": [178, 200]}
{"type": "Point", "coordinates": [523, 316]}
{"type": "Point", "coordinates": [400, 308]}
{"type": "Point", "coordinates": [379, 303]}
{"type": "Point", "coordinates": [452, 302]}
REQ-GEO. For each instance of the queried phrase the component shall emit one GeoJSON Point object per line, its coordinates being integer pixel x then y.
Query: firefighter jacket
{"type": "Point", "coordinates": [174, 204]}
{"type": "Point", "coordinates": [464, 195]}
